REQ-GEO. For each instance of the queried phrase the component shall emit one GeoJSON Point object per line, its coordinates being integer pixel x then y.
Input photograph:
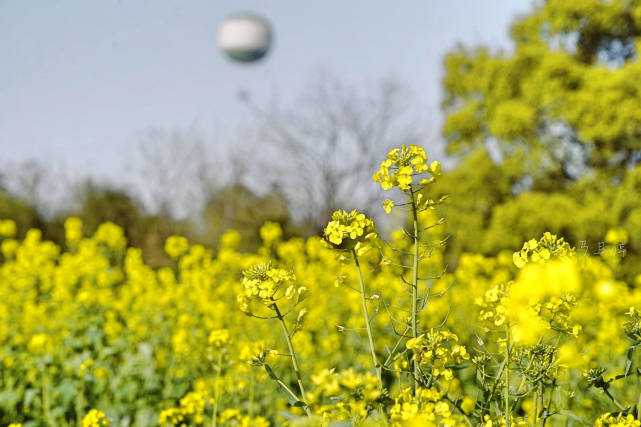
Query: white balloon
{"type": "Point", "coordinates": [244, 37]}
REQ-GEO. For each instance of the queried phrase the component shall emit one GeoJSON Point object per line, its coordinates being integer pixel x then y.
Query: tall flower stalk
{"type": "Point", "coordinates": [377, 367]}
{"type": "Point", "coordinates": [507, 375]}
{"type": "Point", "coordinates": [401, 169]}
{"type": "Point", "coordinates": [218, 340]}
{"type": "Point", "coordinates": [415, 285]}
{"type": "Point", "coordinates": [356, 233]}
{"type": "Point", "coordinates": [292, 354]}
{"type": "Point", "coordinates": [266, 286]}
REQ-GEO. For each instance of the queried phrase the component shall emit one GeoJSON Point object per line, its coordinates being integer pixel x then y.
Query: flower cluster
{"type": "Point", "coordinates": [265, 283]}
{"type": "Point", "coordinates": [594, 376]}
{"type": "Point", "coordinates": [427, 408]}
{"type": "Point", "coordinates": [218, 337]}
{"type": "Point", "coordinates": [494, 304]}
{"type": "Point", "coordinates": [499, 421]}
{"type": "Point", "coordinates": [7, 228]}
{"type": "Point", "coordinates": [542, 299]}
{"type": "Point", "coordinates": [618, 420]}
{"type": "Point", "coordinates": [233, 417]}
{"type": "Point", "coordinates": [95, 418]}
{"type": "Point", "coordinates": [632, 327]}
{"type": "Point", "coordinates": [192, 407]}
{"type": "Point", "coordinates": [349, 226]}
{"type": "Point", "coordinates": [271, 232]}
{"type": "Point", "coordinates": [171, 416]}
{"type": "Point", "coordinates": [260, 356]}
{"type": "Point", "coordinates": [548, 247]}
{"type": "Point", "coordinates": [437, 351]}
{"type": "Point", "coordinates": [175, 246]}
{"type": "Point", "coordinates": [538, 363]}
{"type": "Point", "coordinates": [356, 394]}
{"type": "Point", "coordinates": [556, 310]}
{"type": "Point", "coordinates": [401, 165]}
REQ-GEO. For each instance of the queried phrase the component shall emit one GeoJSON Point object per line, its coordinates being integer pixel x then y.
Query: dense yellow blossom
{"type": "Point", "coordinates": [269, 284]}
{"type": "Point", "coordinates": [271, 232]}
{"type": "Point", "coordinates": [349, 226]}
{"type": "Point", "coordinates": [95, 418]}
{"type": "Point", "coordinates": [549, 246]}
{"type": "Point", "coordinates": [426, 409]}
{"type": "Point", "coordinates": [73, 231]}
{"type": "Point", "coordinates": [175, 246]}
{"type": "Point", "coordinates": [401, 165]}
{"type": "Point", "coordinates": [620, 420]}
{"type": "Point", "coordinates": [439, 351]}
{"type": "Point", "coordinates": [7, 228]}
{"type": "Point", "coordinates": [92, 325]}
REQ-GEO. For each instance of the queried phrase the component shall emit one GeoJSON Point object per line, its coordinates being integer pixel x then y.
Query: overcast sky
{"type": "Point", "coordinates": [80, 80]}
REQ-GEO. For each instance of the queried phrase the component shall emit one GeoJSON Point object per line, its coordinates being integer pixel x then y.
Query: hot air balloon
{"type": "Point", "coordinates": [244, 37]}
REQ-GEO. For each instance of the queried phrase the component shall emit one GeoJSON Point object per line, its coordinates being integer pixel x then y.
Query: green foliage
{"type": "Point", "coordinates": [561, 113]}
{"type": "Point", "coordinates": [568, 94]}
{"type": "Point", "coordinates": [25, 216]}
{"type": "Point", "coordinates": [238, 208]}
{"type": "Point", "coordinates": [484, 215]}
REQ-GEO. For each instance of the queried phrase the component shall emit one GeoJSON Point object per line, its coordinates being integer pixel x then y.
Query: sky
{"type": "Point", "coordinates": [80, 81]}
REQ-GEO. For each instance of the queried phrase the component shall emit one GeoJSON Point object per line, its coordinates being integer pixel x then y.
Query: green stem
{"type": "Point", "coordinates": [415, 289]}
{"type": "Point", "coordinates": [547, 408]}
{"type": "Point", "coordinates": [46, 398]}
{"type": "Point", "coordinates": [79, 406]}
{"type": "Point", "coordinates": [377, 367]}
{"type": "Point", "coordinates": [219, 368]}
{"type": "Point", "coordinates": [294, 361]}
{"type": "Point", "coordinates": [507, 376]}
{"type": "Point", "coordinates": [535, 415]}
{"type": "Point", "coordinates": [398, 342]}
{"type": "Point", "coordinates": [639, 408]}
{"type": "Point", "coordinates": [616, 402]}
{"type": "Point", "coordinates": [251, 397]}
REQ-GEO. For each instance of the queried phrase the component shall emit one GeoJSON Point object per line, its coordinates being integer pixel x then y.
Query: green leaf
{"type": "Point", "coordinates": [290, 399]}
{"type": "Point", "coordinates": [628, 362]}
{"type": "Point", "coordinates": [29, 395]}
{"type": "Point", "coordinates": [270, 372]}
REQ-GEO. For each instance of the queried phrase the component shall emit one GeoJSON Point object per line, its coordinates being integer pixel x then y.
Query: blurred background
{"type": "Point", "coordinates": [129, 112]}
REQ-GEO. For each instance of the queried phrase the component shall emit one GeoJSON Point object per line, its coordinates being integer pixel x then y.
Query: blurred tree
{"type": "Point", "coordinates": [175, 172]}
{"type": "Point", "coordinates": [238, 208]}
{"type": "Point", "coordinates": [23, 214]}
{"type": "Point", "coordinates": [42, 186]}
{"type": "Point", "coordinates": [98, 204]}
{"type": "Point", "coordinates": [322, 151]}
{"type": "Point", "coordinates": [567, 95]}
{"type": "Point", "coordinates": [548, 134]}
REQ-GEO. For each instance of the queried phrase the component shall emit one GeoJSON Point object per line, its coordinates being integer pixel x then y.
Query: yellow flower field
{"type": "Point", "coordinates": [348, 328]}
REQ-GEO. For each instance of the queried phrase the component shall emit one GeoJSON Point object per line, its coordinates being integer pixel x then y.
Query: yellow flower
{"type": "Point", "coordinates": [175, 246]}
{"type": "Point", "coordinates": [271, 232]}
{"type": "Point", "coordinates": [219, 337]}
{"type": "Point", "coordinates": [95, 418]}
{"type": "Point", "coordinates": [388, 205]}
{"type": "Point", "coordinates": [265, 283]}
{"type": "Point", "coordinates": [7, 228]}
{"type": "Point", "coordinates": [73, 231]}
{"type": "Point", "coordinates": [401, 165]}
{"type": "Point", "coordinates": [435, 168]}
{"type": "Point", "coordinates": [349, 226]}
{"type": "Point", "coordinates": [111, 235]}
{"type": "Point", "coordinates": [549, 246]}
{"type": "Point", "coordinates": [468, 405]}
